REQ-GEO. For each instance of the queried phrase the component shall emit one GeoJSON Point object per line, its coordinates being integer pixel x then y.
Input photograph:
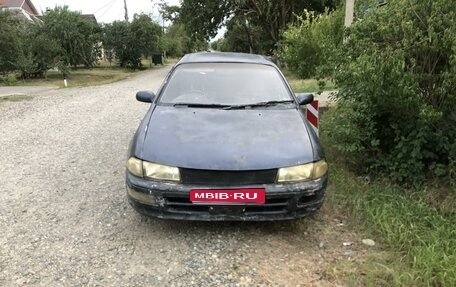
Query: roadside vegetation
{"type": "Point", "coordinates": [103, 73]}
{"type": "Point", "coordinates": [396, 80]}
{"type": "Point", "coordinates": [80, 78]}
{"type": "Point", "coordinates": [413, 229]}
{"type": "Point", "coordinates": [64, 44]}
{"type": "Point", "coordinates": [391, 139]}
{"type": "Point", "coordinates": [313, 85]}
{"type": "Point", "coordinates": [15, 98]}
{"type": "Point", "coordinates": [396, 94]}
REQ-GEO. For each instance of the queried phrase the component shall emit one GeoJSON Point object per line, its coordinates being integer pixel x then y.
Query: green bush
{"type": "Point", "coordinates": [129, 41]}
{"type": "Point", "coordinates": [76, 38]}
{"type": "Point", "coordinates": [26, 47]}
{"type": "Point", "coordinates": [396, 112]}
{"type": "Point", "coordinates": [12, 37]}
{"type": "Point", "coordinates": [308, 47]}
{"type": "Point", "coordinates": [9, 80]}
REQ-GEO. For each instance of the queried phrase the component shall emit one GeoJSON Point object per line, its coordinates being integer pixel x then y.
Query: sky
{"type": "Point", "coordinates": [106, 11]}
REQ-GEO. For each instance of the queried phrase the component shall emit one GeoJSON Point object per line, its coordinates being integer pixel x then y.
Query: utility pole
{"type": "Point", "coordinates": [126, 11]}
{"type": "Point", "coordinates": [349, 11]}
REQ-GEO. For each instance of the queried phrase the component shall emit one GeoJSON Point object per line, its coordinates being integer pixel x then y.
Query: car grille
{"type": "Point", "coordinates": [178, 204]}
{"type": "Point", "coordinates": [227, 178]}
{"type": "Point", "coordinates": [277, 204]}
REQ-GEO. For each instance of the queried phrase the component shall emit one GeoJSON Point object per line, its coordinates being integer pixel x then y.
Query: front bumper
{"type": "Point", "coordinates": [172, 201]}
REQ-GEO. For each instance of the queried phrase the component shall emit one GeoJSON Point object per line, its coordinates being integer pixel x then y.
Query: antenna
{"type": "Point", "coordinates": [126, 11]}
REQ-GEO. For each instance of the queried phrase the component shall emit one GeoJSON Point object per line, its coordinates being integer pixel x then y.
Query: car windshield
{"type": "Point", "coordinates": [225, 84]}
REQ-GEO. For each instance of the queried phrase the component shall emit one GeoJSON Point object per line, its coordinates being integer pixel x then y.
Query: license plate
{"type": "Point", "coordinates": [228, 196]}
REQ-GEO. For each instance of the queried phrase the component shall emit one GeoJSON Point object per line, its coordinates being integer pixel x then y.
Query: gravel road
{"type": "Point", "coordinates": [65, 220]}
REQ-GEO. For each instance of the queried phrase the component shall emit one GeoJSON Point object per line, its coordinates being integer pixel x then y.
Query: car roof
{"type": "Point", "coordinates": [224, 57]}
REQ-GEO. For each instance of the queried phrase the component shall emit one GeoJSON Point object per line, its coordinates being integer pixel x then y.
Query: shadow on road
{"type": "Point", "coordinates": [295, 227]}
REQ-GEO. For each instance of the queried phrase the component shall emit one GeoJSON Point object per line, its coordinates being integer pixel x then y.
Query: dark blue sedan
{"type": "Point", "coordinates": [225, 138]}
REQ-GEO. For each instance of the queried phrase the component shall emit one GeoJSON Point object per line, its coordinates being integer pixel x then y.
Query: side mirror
{"type": "Point", "coordinates": [145, 96]}
{"type": "Point", "coordinates": [304, 98]}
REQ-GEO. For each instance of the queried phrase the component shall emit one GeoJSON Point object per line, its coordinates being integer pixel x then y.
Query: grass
{"type": "Point", "coordinates": [15, 98]}
{"type": "Point", "coordinates": [308, 85]}
{"type": "Point", "coordinates": [418, 240]}
{"type": "Point", "coordinates": [80, 78]}
{"type": "Point", "coordinates": [104, 73]}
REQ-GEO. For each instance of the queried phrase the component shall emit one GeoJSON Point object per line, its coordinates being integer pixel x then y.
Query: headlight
{"type": "Point", "coordinates": [160, 172]}
{"type": "Point", "coordinates": [134, 166]}
{"type": "Point", "coordinates": [150, 170]}
{"type": "Point", "coordinates": [303, 172]}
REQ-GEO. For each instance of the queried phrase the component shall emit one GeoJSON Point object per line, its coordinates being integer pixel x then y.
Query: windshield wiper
{"type": "Point", "coordinates": [260, 104]}
{"type": "Point", "coordinates": [196, 105]}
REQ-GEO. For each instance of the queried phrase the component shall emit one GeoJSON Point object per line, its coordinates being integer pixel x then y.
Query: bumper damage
{"type": "Point", "coordinates": [172, 201]}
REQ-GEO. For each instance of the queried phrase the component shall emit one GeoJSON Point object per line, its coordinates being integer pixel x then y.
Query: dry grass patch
{"type": "Point", "coordinates": [80, 78]}
{"type": "Point", "coordinates": [15, 98]}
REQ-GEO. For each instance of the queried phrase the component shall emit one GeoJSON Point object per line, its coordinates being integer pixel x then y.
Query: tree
{"type": "Point", "coordinates": [78, 38]}
{"type": "Point", "coordinates": [260, 20]}
{"type": "Point", "coordinates": [178, 34]}
{"type": "Point", "coordinates": [170, 12]}
{"type": "Point", "coordinates": [25, 47]}
{"type": "Point", "coordinates": [118, 40]}
{"type": "Point", "coordinates": [46, 52]}
{"type": "Point", "coordinates": [128, 42]}
{"type": "Point", "coordinates": [274, 16]}
{"type": "Point", "coordinates": [12, 36]}
{"type": "Point", "coordinates": [177, 40]}
{"type": "Point", "coordinates": [203, 18]}
{"type": "Point", "coordinates": [147, 34]}
{"type": "Point", "coordinates": [243, 36]}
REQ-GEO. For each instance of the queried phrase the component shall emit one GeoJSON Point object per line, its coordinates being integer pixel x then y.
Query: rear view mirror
{"type": "Point", "coordinates": [304, 98]}
{"type": "Point", "coordinates": [145, 96]}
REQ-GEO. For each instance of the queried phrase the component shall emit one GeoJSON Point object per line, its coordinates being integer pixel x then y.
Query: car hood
{"type": "Point", "coordinates": [217, 139]}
